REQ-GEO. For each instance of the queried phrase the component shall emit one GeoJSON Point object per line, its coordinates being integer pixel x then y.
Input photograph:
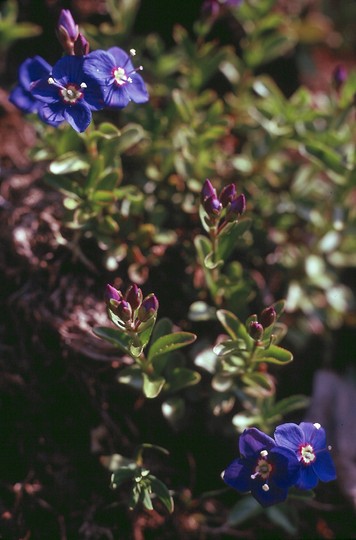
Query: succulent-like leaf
{"type": "Point", "coordinates": [161, 491]}
{"type": "Point", "coordinates": [170, 342]}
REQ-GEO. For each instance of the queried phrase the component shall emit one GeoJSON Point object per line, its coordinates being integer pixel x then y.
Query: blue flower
{"type": "Point", "coordinates": [118, 78]}
{"type": "Point", "coordinates": [308, 442]}
{"type": "Point", "coordinates": [68, 94]}
{"type": "Point", "coordinates": [30, 71]}
{"type": "Point", "coordinates": [263, 468]}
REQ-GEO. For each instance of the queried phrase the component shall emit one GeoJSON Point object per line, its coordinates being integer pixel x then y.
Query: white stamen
{"type": "Point", "coordinates": [317, 425]}
{"type": "Point", "coordinates": [253, 476]}
{"type": "Point", "coordinates": [50, 80]}
{"type": "Point", "coordinates": [83, 85]}
{"type": "Point", "coordinates": [330, 447]}
{"type": "Point", "coordinates": [263, 453]}
{"type": "Point", "coordinates": [265, 487]}
{"type": "Point", "coordinates": [133, 52]}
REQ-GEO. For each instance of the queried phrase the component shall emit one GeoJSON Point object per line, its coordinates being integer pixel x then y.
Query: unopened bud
{"type": "Point", "coordinates": [268, 317]}
{"type": "Point", "coordinates": [148, 308]}
{"type": "Point", "coordinates": [112, 294]}
{"type": "Point", "coordinates": [207, 191]}
{"type": "Point", "coordinates": [255, 330]}
{"type": "Point", "coordinates": [134, 296]}
{"type": "Point", "coordinates": [124, 311]}
{"type": "Point", "coordinates": [236, 208]}
{"type": "Point", "coordinates": [212, 206]}
{"type": "Point", "coordinates": [227, 195]}
{"type": "Point", "coordinates": [81, 46]}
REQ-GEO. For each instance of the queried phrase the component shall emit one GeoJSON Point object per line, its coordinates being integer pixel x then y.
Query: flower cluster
{"type": "Point", "coordinates": [297, 456]}
{"type": "Point", "coordinates": [228, 200]}
{"type": "Point", "coordinates": [79, 83]}
{"type": "Point", "coordinates": [130, 310]}
{"type": "Point", "coordinates": [266, 319]}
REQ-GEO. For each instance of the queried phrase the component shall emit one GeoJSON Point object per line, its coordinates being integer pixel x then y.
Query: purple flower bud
{"type": "Point", "coordinates": [228, 194]}
{"type": "Point", "coordinates": [212, 206]}
{"type": "Point", "coordinates": [81, 46]}
{"type": "Point", "coordinates": [207, 190]}
{"type": "Point", "coordinates": [148, 308]}
{"type": "Point", "coordinates": [67, 22]}
{"type": "Point", "coordinates": [112, 294]}
{"type": "Point", "coordinates": [339, 76]}
{"type": "Point", "coordinates": [255, 330]}
{"type": "Point", "coordinates": [124, 311]}
{"type": "Point", "coordinates": [237, 207]}
{"type": "Point", "coordinates": [134, 296]}
{"type": "Point", "coordinates": [268, 317]}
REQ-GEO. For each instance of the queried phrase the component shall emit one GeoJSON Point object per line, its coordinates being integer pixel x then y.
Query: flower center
{"type": "Point", "coordinates": [120, 76]}
{"type": "Point", "coordinates": [263, 469]}
{"type": "Point", "coordinates": [71, 94]}
{"type": "Point", "coordinates": [307, 454]}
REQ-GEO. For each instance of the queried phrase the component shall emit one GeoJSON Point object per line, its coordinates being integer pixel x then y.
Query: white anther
{"type": "Point", "coordinates": [317, 425]}
{"type": "Point", "coordinates": [265, 487]}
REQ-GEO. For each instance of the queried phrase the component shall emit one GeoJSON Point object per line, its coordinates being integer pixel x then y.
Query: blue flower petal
{"type": "Point", "coordinates": [51, 113]}
{"type": "Point", "coordinates": [238, 475]}
{"type": "Point", "coordinates": [307, 478]}
{"type": "Point", "coordinates": [116, 97]}
{"type": "Point", "coordinates": [79, 116]}
{"type": "Point", "coordinates": [324, 466]}
{"type": "Point", "coordinates": [121, 58]}
{"type": "Point", "coordinates": [32, 70]}
{"type": "Point", "coordinates": [44, 91]}
{"type": "Point", "coordinates": [286, 466]}
{"type": "Point", "coordinates": [253, 440]}
{"type": "Point", "coordinates": [69, 69]}
{"type": "Point", "coordinates": [274, 495]}
{"type": "Point", "coordinates": [289, 436]}
{"type": "Point", "coordinates": [314, 435]}
{"type": "Point", "coordinates": [99, 65]}
{"type": "Point", "coordinates": [23, 99]}
{"type": "Point", "coordinates": [137, 89]}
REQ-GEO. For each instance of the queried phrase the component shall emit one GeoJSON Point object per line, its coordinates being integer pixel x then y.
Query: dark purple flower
{"type": "Point", "coordinates": [81, 46]}
{"type": "Point", "coordinates": [134, 296]}
{"type": "Point", "coordinates": [308, 442]}
{"type": "Point", "coordinates": [118, 78]}
{"type": "Point", "coordinates": [30, 71]}
{"type": "Point", "coordinates": [67, 31]}
{"type": "Point", "coordinates": [212, 206]}
{"type": "Point", "coordinates": [255, 330]}
{"type": "Point", "coordinates": [263, 468]}
{"type": "Point", "coordinates": [112, 294]}
{"type": "Point", "coordinates": [68, 94]}
{"type": "Point", "coordinates": [339, 76]}
{"type": "Point", "coordinates": [237, 207]}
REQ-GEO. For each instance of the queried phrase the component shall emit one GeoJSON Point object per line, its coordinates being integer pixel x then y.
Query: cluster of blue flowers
{"type": "Point", "coordinates": [79, 83]}
{"type": "Point", "coordinates": [297, 456]}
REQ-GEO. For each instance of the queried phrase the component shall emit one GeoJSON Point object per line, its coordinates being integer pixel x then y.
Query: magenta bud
{"type": "Point", "coordinates": [207, 190]}
{"type": "Point", "coordinates": [134, 296]}
{"type": "Point", "coordinates": [81, 46]}
{"type": "Point", "coordinates": [255, 330]}
{"type": "Point", "coordinates": [148, 308]}
{"type": "Point", "coordinates": [67, 22]}
{"type": "Point", "coordinates": [227, 195]}
{"type": "Point", "coordinates": [212, 206]}
{"type": "Point", "coordinates": [268, 317]}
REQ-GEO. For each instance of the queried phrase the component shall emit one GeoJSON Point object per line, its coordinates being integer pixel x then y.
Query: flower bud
{"type": "Point", "coordinates": [237, 207]}
{"type": "Point", "coordinates": [212, 206]}
{"type": "Point", "coordinates": [134, 296]}
{"type": "Point", "coordinates": [255, 330]}
{"type": "Point", "coordinates": [227, 195]}
{"type": "Point", "coordinates": [67, 31]}
{"type": "Point", "coordinates": [268, 317]}
{"type": "Point", "coordinates": [112, 294]}
{"type": "Point", "coordinates": [339, 76]}
{"type": "Point", "coordinates": [124, 311]}
{"type": "Point", "coordinates": [148, 308]}
{"type": "Point", "coordinates": [207, 191]}
{"type": "Point", "coordinates": [81, 46]}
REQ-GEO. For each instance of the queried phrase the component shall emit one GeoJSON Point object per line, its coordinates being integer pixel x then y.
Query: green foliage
{"type": "Point", "coordinates": [10, 29]}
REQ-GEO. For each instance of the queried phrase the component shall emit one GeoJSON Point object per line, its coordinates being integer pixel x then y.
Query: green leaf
{"type": "Point", "coordinates": [253, 379]}
{"type": "Point", "coordinates": [68, 163]}
{"type": "Point", "coordinates": [325, 156]}
{"type": "Point", "coordinates": [182, 377]}
{"type": "Point", "coordinates": [131, 135]}
{"type": "Point", "coordinates": [145, 330]}
{"type": "Point", "coordinates": [94, 172]}
{"type": "Point", "coordinates": [203, 247]}
{"type": "Point", "coordinates": [274, 355]}
{"type": "Point", "coordinates": [146, 498]}
{"type": "Point", "coordinates": [122, 475]}
{"type": "Point", "coordinates": [170, 342]}
{"type": "Point", "coordinates": [245, 509]}
{"type": "Point", "coordinates": [152, 385]}
{"type": "Point", "coordinates": [279, 516]}
{"type": "Point", "coordinates": [132, 376]}
{"type": "Point", "coordinates": [234, 326]}
{"type": "Point", "coordinates": [228, 237]}
{"type": "Point", "coordinates": [161, 491]}
{"type": "Point", "coordinates": [114, 336]}
{"type": "Point", "coordinates": [289, 404]}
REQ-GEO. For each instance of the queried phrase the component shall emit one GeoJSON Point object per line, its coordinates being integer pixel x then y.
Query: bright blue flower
{"type": "Point", "coordinates": [263, 468]}
{"type": "Point", "coordinates": [118, 78]}
{"type": "Point", "coordinates": [68, 94]}
{"type": "Point", "coordinates": [308, 442]}
{"type": "Point", "coordinates": [31, 70]}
